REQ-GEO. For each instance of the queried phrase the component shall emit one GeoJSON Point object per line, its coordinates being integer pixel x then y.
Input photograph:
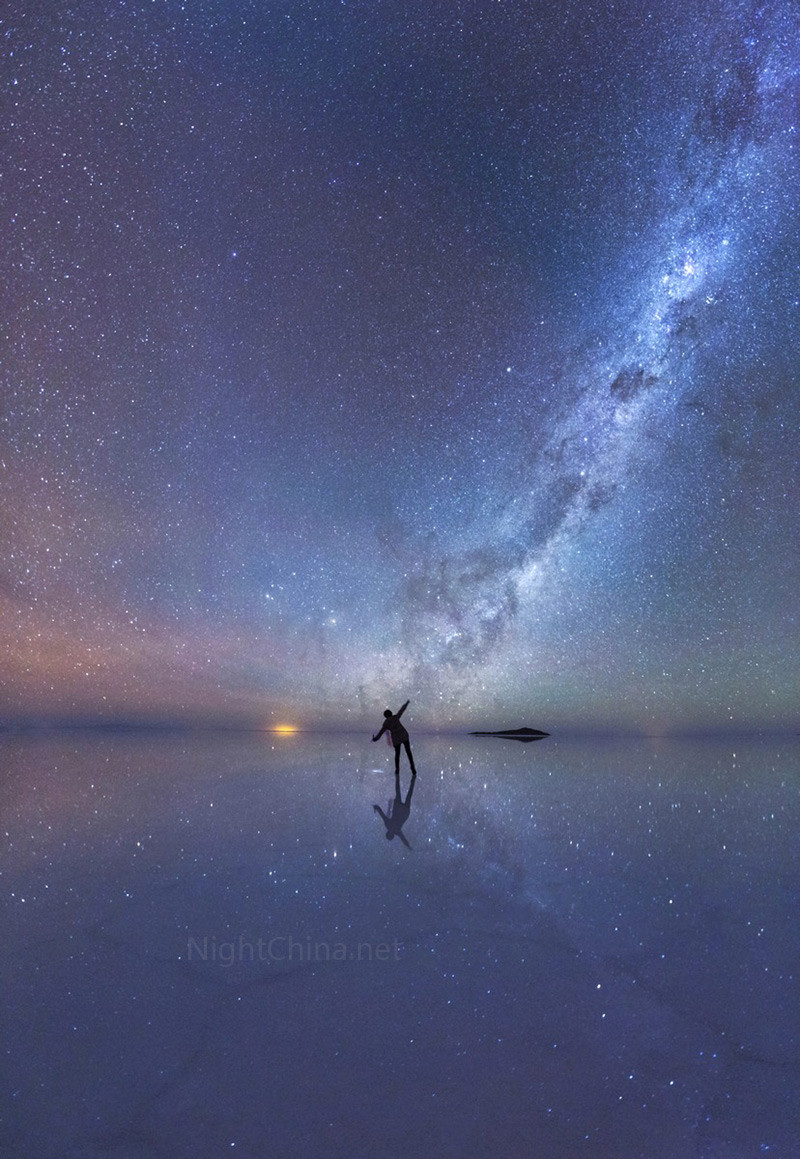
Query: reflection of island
{"type": "Point", "coordinates": [526, 735]}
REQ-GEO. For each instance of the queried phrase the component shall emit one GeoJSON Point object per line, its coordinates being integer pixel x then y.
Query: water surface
{"type": "Point", "coordinates": [212, 948]}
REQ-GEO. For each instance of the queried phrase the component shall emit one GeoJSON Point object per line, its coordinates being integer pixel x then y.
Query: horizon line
{"type": "Point", "coordinates": [59, 724]}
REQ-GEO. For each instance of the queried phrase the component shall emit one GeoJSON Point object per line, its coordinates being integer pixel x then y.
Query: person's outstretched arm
{"type": "Point", "coordinates": [383, 816]}
{"type": "Point", "coordinates": [378, 735]}
{"type": "Point", "coordinates": [402, 710]}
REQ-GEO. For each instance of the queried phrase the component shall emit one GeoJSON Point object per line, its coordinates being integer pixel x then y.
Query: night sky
{"type": "Point", "coordinates": [371, 350]}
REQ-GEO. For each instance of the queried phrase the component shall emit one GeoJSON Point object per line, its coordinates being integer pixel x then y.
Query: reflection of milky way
{"type": "Point", "coordinates": [617, 911]}
{"type": "Point", "coordinates": [353, 355]}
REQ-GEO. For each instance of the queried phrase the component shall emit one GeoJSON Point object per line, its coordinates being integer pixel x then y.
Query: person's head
{"type": "Point", "coordinates": [387, 712]}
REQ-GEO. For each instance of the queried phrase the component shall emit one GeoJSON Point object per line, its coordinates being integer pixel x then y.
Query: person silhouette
{"type": "Point", "coordinates": [398, 812]}
{"type": "Point", "coordinates": [399, 737]}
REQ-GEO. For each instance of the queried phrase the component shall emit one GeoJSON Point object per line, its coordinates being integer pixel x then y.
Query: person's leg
{"type": "Point", "coordinates": [407, 802]}
{"type": "Point", "coordinates": [397, 760]}
{"type": "Point", "coordinates": [410, 759]}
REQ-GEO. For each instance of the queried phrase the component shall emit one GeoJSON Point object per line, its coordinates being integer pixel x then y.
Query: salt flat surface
{"type": "Point", "coordinates": [211, 948]}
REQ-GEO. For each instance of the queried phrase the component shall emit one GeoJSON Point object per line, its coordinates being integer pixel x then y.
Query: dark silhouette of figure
{"type": "Point", "coordinates": [399, 737]}
{"type": "Point", "coordinates": [398, 812]}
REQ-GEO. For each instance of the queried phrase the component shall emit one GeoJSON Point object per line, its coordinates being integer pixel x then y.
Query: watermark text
{"type": "Point", "coordinates": [286, 948]}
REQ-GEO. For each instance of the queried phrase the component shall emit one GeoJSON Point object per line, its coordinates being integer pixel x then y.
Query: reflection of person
{"type": "Point", "coordinates": [399, 737]}
{"type": "Point", "coordinates": [398, 812]}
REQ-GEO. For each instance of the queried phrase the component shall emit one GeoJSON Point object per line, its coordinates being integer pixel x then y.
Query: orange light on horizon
{"type": "Point", "coordinates": [284, 729]}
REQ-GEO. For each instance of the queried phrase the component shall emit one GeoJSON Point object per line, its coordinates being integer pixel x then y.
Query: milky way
{"type": "Point", "coordinates": [358, 353]}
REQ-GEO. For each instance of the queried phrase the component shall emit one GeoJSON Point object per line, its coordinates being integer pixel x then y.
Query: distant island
{"type": "Point", "coordinates": [526, 735]}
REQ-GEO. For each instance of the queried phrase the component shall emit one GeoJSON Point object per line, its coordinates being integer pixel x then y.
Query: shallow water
{"type": "Point", "coordinates": [211, 948]}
